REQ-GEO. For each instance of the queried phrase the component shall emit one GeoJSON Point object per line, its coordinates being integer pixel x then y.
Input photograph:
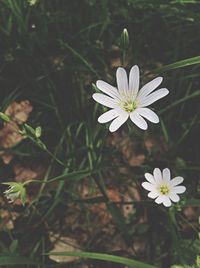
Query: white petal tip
{"type": "Point", "coordinates": [167, 91]}
{"type": "Point", "coordinates": [99, 120]}
{"type": "Point", "coordinates": [167, 205]}
{"type": "Point", "coordinates": [144, 128]}
{"type": "Point", "coordinates": [112, 130]}
{"type": "Point", "coordinates": [94, 96]}
{"type": "Point", "coordinates": [156, 122]}
{"type": "Point", "coordinates": [135, 67]}
{"type": "Point", "coordinates": [184, 189]}
{"type": "Point", "coordinates": [97, 82]}
{"type": "Point", "coordinates": [142, 184]}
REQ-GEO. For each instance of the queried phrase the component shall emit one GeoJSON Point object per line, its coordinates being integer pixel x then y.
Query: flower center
{"type": "Point", "coordinates": [164, 189]}
{"type": "Point", "coordinates": [129, 106]}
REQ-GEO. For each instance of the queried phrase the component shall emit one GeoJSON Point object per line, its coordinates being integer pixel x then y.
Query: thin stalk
{"type": "Point", "coordinates": [47, 151]}
{"type": "Point", "coordinates": [112, 208]}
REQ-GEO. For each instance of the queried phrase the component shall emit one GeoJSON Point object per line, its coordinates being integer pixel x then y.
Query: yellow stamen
{"type": "Point", "coordinates": [128, 106]}
{"type": "Point", "coordinates": [164, 189]}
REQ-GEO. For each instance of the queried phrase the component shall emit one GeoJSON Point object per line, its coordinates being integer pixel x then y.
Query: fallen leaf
{"type": "Point", "coordinates": [7, 219]}
{"type": "Point", "coordinates": [131, 151]}
{"type": "Point", "coordinates": [64, 244]}
{"type": "Point", "coordinates": [115, 62]}
{"type": "Point", "coordinates": [23, 173]}
{"type": "Point", "coordinates": [19, 113]}
{"type": "Point", "coordinates": [191, 213]}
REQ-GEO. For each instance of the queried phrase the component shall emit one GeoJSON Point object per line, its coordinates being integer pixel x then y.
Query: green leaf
{"type": "Point", "coordinates": [192, 202]}
{"type": "Point", "coordinates": [77, 175]}
{"type": "Point", "coordinates": [179, 64]}
{"type": "Point", "coordinates": [176, 103]}
{"type": "Point", "coordinates": [105, 257]}
{"type": "Point", "coordinates": [23, 196]}
{"type": "Point", "coordinates": [13, 246]}
{"type": "Point", "coordinates": [79, 56]}
{"type": "Point", "coordinates": [15, 260]}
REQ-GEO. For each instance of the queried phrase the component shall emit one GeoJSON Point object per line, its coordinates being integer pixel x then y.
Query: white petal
{"type": "Point", "coordinates": [174, 197]}
{"type": "Point", "coordinates": [176, 181]}
{"type": "Point", "coordinates": [138, 120]}
{"type": "Point", "coordinates": [148, 186]}
{"type": "Point", "coordinates": [117, 122]}
{"type": "Point", "coordinates": [157, 175]}
{"type": "Point", "coordinates": [108, 89]}
{"type": "Point", "coordinates": [148, 114]}
{"type": "Point", "coordinates": [179, 189]}
{"type": "Point", "coordinates": [122, 81]}
{"type": "Point", "coordinates": [149, 87]}
{"type": "Point", "coordinates": [153, 194]}
{"type": "Point", "coordinates": [104, 100]}
{"type": "Point", "coordinates": [108, 116]}
{"type": "Point", "coordinates": [166, 175]}
{"type": "Point", "coordinates": [149, 178]}
{"type": "Point", "coordinates": [167, 202]}
{"type": "Point", "coordinates": [134, 80]}
{"type": "Point", "coordinates": [153, 97]}
{"type": "Point", "coordinates": [159, 199]}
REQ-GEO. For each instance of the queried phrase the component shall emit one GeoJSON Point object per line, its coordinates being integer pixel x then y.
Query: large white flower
{"type": "Point", "coordinates": [162, 188]}
{"type": "Point", "coordinates": [128, 101]}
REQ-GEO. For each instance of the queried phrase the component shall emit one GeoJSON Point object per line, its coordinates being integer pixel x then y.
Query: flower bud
{"type": "Point", "coordinates": [124, 40]}
{"type": "Point", "coordinates": [4, 117]}
{"type": "Point", "coordinates": [29, 130]}
{"type": "Point", "coordinates": [38, 132]}
{"type": "Point", "coordinates": [32, 2]}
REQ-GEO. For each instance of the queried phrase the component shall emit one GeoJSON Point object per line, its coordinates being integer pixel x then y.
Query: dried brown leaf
{"type": "Point", "coordinates": [64, 244]}
{"type": "Point", "coordinates": [19, 113]}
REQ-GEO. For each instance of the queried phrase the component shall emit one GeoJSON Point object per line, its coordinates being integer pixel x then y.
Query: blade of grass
{"type": "Point", "coordinates": [77, 175]}
{"type": "Point", "coordinates": [80, 57]}
{"type": "Point", "coordinates": [105, 257]}
{"type": "Point", "coordinates": [192, 202]}
{"type": "Point", "coordinates": [174, 104]}
{"type": "Point", "coordinates": [15, 260]}
{"type": "Point", "coordinates": [179, 64]}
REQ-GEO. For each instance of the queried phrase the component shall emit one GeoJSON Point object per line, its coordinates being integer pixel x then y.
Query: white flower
{"type": "Point", "coordinates": [128, 101]}
{"type": "Point", "coordinates": [162, 188]}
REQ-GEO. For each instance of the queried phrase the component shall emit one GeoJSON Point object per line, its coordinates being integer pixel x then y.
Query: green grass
{"type": "Point", "coordinates": [51, 54]}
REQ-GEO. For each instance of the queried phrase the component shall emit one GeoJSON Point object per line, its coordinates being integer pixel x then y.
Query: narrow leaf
{"type": "Point", "coordinates": [15, 260]}
{"type": "Point", "coordinates": [179, 64]}
{"type": "Point", "coordinates": [105, 257]}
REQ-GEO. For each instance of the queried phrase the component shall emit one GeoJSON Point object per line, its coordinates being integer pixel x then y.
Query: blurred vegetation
{"type": "Point", "coordinates": [51, 53]}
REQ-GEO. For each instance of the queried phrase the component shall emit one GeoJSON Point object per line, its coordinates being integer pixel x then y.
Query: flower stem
{"type": "Point", "coordinates": [46, 150]}
{"type": "Point", "coordinates": [112, 208]}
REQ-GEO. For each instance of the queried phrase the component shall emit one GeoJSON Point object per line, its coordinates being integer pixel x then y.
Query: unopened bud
{"type": "Point", "coordinates": [29, 129]}
{"type": "Point", "coordinates": [4, 117]}
{"type": "Point", "coordinates": [124, 40]}
{"type": "Point", "coordinates": [38, 132]}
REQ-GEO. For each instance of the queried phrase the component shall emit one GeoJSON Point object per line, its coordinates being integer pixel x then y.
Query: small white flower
{"type": "Point", "coordinates": [162, 188]}
{"type": "Point", "coordinates": [128, 101]}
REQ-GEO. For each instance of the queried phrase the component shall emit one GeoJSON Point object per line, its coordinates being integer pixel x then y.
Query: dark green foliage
{"type": "Point", "coordinates": [50, 54]}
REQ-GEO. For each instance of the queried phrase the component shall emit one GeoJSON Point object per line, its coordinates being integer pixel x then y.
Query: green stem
{"type": "Point", "coordinates": [123, 57]}
{"type": "Point", "coordinates": [46, 150]}
{"type": "Point", "coordinates": [112, 208]}
{"type": "Point", "coordinates": [174, 233]}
